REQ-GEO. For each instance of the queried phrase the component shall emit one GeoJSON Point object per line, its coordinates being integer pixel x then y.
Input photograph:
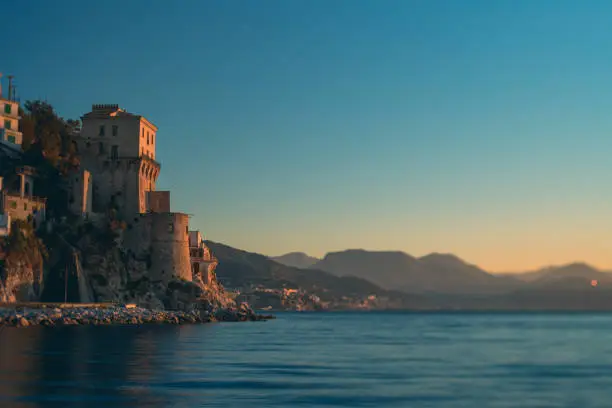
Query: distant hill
{"type": "Point", "coordinates": [436, 281]}
{"type": "Point", "coordinates": [296, 259]}
{"type": "Point", "coordinates": [434, 273]}
{"type": "Point", "coordinates": [573, 270]}
{"type": "Point", "coordinates": [239, 268]}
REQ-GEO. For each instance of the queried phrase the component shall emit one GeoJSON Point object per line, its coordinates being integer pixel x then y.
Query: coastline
{"type": "Point", "coordinates": [109, 314]}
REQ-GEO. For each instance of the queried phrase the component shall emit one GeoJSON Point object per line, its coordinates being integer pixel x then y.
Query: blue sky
{"type": "Point", "coordinates": [481, 128]}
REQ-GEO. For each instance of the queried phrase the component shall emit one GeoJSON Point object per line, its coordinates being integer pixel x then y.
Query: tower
{"type": "Point", "coordinates": [118, 148]}
{"type": "Point", "coordinates": [9, 118]}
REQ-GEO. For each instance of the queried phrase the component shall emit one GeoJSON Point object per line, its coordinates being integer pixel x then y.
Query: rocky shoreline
{"type": "Point", "coordinates": [120, 315]}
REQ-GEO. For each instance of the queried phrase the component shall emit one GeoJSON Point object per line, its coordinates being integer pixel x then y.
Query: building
{"type": "Point", "coordinates": [203, 264]}
{"type": "Point", "coordinates": [118, 149]}
{"type": "Point", "coordinates": [17, 199]}
{"type": "Point", "coordinates": [9, 119]}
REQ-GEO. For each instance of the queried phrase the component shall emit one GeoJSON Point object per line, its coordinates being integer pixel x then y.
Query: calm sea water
{"type": "Point", "coordinates": [317, 360]}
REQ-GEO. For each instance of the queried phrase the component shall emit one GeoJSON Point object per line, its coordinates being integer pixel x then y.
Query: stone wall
{"type": "Point", "coordinates": [158, 201]}
{"type": "Point", "coordinates": [170, 246]}
{"type": "Point", "coordinates": [163, 238]}
{"type": "Point", "coordinates": [122, 181]}
{"type": "Point", "coordinates": [81, 190]}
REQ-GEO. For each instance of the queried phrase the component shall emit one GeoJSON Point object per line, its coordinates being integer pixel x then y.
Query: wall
{"type": "Point", "coordinates": [195, 239]}
{"type": "Point", "coordinates": [170, 246]}
{"type": "Point", "coordinates": [122, 181]}
{"type": "Point", "coordinates": [127, 138]}
{"type": "Point", "coordinates": [162, 237]}
{"type": "Point", "coordinates": [158, 201]}
{"type": "Point", "coordinates": [81, 189]}
{"type": "Point", "coordinates": [147, 140]}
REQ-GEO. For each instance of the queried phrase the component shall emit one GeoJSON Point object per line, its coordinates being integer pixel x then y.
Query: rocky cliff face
{"type": "Point", "coordinates": [20, 283]}
{"type": "Point", "coordinates": [116, 274]}
{"type": "Point", "coordinates": [21, 270]}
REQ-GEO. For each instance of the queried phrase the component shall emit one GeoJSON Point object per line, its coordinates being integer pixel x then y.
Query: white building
{"type": "Point", "coordinates": [9, 120]}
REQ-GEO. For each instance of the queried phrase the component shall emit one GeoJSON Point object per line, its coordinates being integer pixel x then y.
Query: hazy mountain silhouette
{"type": "Point", "coordinates": [433, 282]}
{"type": "Point", "coordinates": [238, 268]}
{"type": "Point", "coordinates": [296, 260]}
{"type": "Point", "coordinates": [434, 273]}
{"type": "Point", "coordinates": [554, 273]}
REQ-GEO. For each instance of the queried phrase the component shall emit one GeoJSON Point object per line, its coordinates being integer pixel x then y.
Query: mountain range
{"type": "Point", "coordinates": [432, 282]}
{"type": "Point", "coordinates": [444, 273]}
{"type": "Point", "coordinates": [240, 269]}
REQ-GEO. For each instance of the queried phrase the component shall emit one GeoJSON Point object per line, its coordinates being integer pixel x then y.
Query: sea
{"type": "Point", "coordinates": [351, 359]}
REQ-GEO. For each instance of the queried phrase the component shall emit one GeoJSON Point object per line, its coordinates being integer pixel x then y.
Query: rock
{"type": "Point", "coordinates": [23, 322]}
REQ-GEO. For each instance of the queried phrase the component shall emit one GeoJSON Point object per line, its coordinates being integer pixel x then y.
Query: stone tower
{"type": "Point", "coordinates": [118, 148]}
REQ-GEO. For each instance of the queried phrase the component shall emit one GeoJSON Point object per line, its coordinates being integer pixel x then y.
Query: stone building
{"type": "Point", "coordinates": [202, 261]}
{"type": "Point", "coordinates": [117, 150]}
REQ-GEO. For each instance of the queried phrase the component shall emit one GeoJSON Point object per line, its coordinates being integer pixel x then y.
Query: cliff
{"type": "Point", "coordinates": [115, 273]}
{"type": "Point", "coordinates": [21, 268]}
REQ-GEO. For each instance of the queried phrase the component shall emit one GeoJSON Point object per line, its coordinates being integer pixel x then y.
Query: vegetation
{"type": "Point", "coordinates": [48, 147]}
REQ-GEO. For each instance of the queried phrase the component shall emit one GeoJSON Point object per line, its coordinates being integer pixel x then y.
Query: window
{"type": "Point", "coordinates": [8, 108]}
{"type": "Point", "coordinates": [115, 152]}
{"type": "Point", "coordinates": [115, 130]}
{"type": "Point", "coordinates": [143, 133]}
{"type": "Point", "coordinates": [7, 124]}
{"type": "Point", "coordinates": [101, 133]}
{"type": "Point", "coordinates": [101, 148]}
{"type": "Point", "coordinates": [147, 138]}
{"type": "Point", "coordinates": [11, 139]}
{"type": "Point", "coordinates": [25, 206]}
{"type": "Point", "coordinates": [13, 205]}
{"type": "Point", "coordinates": [153, 138]}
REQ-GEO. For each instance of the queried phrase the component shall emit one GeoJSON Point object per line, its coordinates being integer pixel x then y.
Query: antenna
{"type": "Point", "coordinates": [10, 88]}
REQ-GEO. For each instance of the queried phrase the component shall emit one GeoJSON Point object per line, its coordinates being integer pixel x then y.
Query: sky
{"type": "Point", "coordinates": [479, 128]}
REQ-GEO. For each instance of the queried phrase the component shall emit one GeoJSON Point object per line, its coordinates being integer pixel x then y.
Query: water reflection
{"type": "Point", "coordinates": [92, 366]}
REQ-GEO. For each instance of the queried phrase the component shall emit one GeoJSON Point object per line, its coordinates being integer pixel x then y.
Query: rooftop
{"type": "Point", "coordinates": [99, 111]}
